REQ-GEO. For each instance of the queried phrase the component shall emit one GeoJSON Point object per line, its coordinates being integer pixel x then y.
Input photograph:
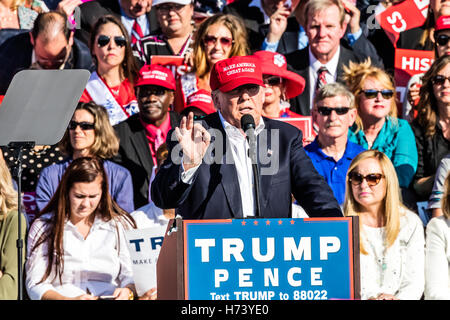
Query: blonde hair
{"type": "Point", "coordinates": [106, 143]}
{"type": "Point", "coordinates": [445, 202]}
{"type": "Point", "coordinates": [8, 195]}
{"type": "Point", "coordinates": [392, 207]}
{"type": "Point", "coordinates": [355, 75]}
{"type": "Point", "coordinates": [313, 6]}
{"type": "Point", "coordinates": [238, 32]}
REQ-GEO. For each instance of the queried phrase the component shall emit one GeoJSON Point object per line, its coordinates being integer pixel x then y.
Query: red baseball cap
{"type": "Point", "coordinates": [201, 99]}
{"type": "Point", "coordinates": [157, 75]}
{"type": "Point", "coordinates": [274, 63]}
{"type": "Point", "coordinates": [231, 73]}
{"type": "Point", "coordinates": [442, 23]}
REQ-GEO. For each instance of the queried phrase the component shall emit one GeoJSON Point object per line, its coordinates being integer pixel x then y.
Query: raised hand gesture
{"type": "Point", "coordinates": [194, 141]}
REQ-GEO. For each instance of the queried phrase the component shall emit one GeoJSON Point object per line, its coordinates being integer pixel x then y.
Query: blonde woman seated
{"type": "Point", "coordinates": [391, 237]}
{"type": "Point", "coordinates": [8, 234]}
{"type": "Point", "coordinates": [437, 252]}
{"type": "Point", "coordinates": [77, 247]}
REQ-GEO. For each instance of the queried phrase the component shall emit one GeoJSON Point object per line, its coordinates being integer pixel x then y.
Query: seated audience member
{"type": "Point", "coordinates": [392, 241]}
{"type": "Point", "coordinates": [50, 45]}
{"type": "Point", "coordinates": [203, 188]}
{"type": "Point", "coordinates": [334, 113]}
{"type": "Point", "coordinates": [431, 126]}
{"type": "Point", "coordinates": [435, 200]}
{"type": "Point", "coordinates": [200, 103]}
{"type": "Point", "coordinates": [280, 85]}
{"type": "Point", "coordinates": [219, 37]}
{"type": "Point", "coordinates": [76, 247]}
{"type": "Point", "coordinates": [111, 85]}
{"type": "Point", "coordinates": [437, 252]}
{"type": "Point", "coordinates": [89, 134]}
{"type": "Point", "coordinates": [19, 14]}
{"type": "Point", "coordinates": [377, 126]}
{"type": "Point", "coordinates": [441, 45]}
{"type": "Point", "coordinates": [8, 235]}
{"type": "Point", "coordinates": [142, 134]}
{"type": "Point", "coordinates": [136, 15]}
{"type": "Point", "coordinates": [323, 59]}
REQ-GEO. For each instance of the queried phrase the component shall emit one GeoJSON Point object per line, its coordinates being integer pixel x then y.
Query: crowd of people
{"type": "Point", "coordinates": [157, 134]}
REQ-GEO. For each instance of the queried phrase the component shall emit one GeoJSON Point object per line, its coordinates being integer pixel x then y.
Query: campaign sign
{"type": "Point", "coordinates": [270, 259]}
{"type": "Point", "coordinates": [304, 124]}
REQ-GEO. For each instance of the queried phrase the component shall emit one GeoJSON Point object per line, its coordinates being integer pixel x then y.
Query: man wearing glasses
{"type": "Point", "coordinates": [49, 45]}
{"type": "Point", "coordinates": [214, 178]}
{"type": "Point", "coordinates": [143, 133]}
{"type": "Point", "coordinates": [334, 112]}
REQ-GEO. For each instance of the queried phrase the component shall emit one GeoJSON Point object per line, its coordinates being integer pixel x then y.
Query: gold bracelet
{"type": "Point", "coordinates": [131, 295]}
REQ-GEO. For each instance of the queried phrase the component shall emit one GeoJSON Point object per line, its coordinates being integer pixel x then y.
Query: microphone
{"type": "Point", "coordinates": [248, 125]}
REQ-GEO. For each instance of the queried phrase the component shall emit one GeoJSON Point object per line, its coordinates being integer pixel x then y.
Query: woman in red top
{"type": "Point", "coordinates": [280, 85]}
{"type": "Point", "coordinates": [111, 85]}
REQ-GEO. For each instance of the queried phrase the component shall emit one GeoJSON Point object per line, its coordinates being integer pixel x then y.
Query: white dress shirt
{"type": "Point", "coordinates": [239, 149]}
{"type": "Point", "coordinates": [100, 263]}
{"type": "Point", "coordinates": [128, 22]}
{"type": "Point", "coordinates": [314, 66]}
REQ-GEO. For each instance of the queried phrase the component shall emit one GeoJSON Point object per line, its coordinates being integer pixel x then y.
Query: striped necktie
{"type": "Point", "coordinates": [321, 80]}
{"type": "Point", "coordinates": [136, 32]}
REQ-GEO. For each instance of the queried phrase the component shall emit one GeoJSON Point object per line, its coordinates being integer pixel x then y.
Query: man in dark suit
{"type": "Point", "coordinates": [49, 45]}
{"type": "Point", "coordinates": [128, 11]}
{"type": "Point", "coordinates": [322, 61]}
{"type": "Point", "coordinates": [143, 133]}
{"type": "Point", "coordinates": [213, 176]}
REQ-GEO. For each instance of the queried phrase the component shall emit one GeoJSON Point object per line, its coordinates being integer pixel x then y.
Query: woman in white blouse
{"type": "Point", "coordinates": [437, 252]}
{"type": "Point", "coordinates": [391, 237]}
{"type": "Point", "coordinates": [83, 230]}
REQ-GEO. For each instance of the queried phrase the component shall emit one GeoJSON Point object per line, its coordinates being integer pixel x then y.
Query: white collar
{"type": "Point", "coordinates": [236, 133]}
{"type": "Point", "coordinates": [330, 65]}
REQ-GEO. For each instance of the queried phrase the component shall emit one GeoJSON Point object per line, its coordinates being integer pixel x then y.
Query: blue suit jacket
{"type": "Point", "coordinates": [215, 193]}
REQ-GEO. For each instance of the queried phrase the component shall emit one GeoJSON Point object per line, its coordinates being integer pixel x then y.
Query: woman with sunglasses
{"type": "Point", "coordinates": [89, 134]}
{"type": "Point", "coordinates": [391, 237]}
{"type": "Point", "coordinates": [76, 247]}
{"type": "Point", "coordinates": [280, 84]}
{"type": "Point", "coordinates": [377, 126]}
{"type": "Point", "coordinates": [432, 125]}
{"type": "Point", "coordinates": [111, 84]}
{"type": "Point", "coordinates": [219, 37]}
{"type": "Point", "coordinates": [437, 254]}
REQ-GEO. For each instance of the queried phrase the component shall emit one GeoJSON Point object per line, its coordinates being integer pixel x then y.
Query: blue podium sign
{"type": "Point", "coordinates": [271, 259]}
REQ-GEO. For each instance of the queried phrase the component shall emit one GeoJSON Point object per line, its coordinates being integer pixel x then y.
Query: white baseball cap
{"type": "Point", "coordinates": [184, 2]}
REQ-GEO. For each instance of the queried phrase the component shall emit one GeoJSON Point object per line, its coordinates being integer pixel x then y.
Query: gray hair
{"type": "Point", "coordinates": [331, 90]}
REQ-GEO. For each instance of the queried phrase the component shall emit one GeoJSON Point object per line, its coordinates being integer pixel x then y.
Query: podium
{"type": "Point", "coordinates": [260, 259]}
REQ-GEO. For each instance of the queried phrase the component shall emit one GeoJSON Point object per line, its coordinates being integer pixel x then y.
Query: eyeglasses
{"type": "Point", "coordinates": [83, 125]}
{"type": "Point", "coordinates": [372, 178]}
{"type": "Point", "coordinates": [104, 40]}
{"type": "Point", "coordinates": [212, 40]}
{"type": "Point", "coordinates": [252, 89]}
{"type": "Point", "coordinates": [166, 8]}
{"type": "Point", "coordinates": [325, 111]}
{"type": "Point", "coordinates": [273, 81]}
{"type": "Point", "coordinates": [439, 79]}
{"type": "Point", "coordinates": [442, 39]}
{"type": "Point", "coordinates": [371, 94]}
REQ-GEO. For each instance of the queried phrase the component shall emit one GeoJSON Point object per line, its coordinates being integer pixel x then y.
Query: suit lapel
{"type": "Point", "coordinates": [140, 144]}
{"type": "Point", "coordinates": [265, 162]}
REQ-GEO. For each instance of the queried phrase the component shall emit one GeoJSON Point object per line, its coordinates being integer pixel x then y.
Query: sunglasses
{"type": "Point", "coordinates": [104, 40]}
{"type": "Point", "coordinates": [371, 94]}
{"type": "Point", "coordinates": [165, 8]}
{"type": "Point", "coordinates": [149, 91]}
{"type": "Point", "coordinates": [251, 89]}
{"type": "Point", "coordinates": [273, 81]}
{"type": "Point", "coordinates": [439, 79]}
{"type": "Point", "coordinates": [83, 125]}
{"type": "Point", "coordinates": [212, 40]}
{"type": "Point", "coordinates": [372, 178]}
{"type": "Point", "coordinates": [325, 111]}
{"type": "Point", "coordinates": [442, 39]}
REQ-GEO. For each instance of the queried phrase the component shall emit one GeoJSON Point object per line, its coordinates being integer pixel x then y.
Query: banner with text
{"type": "Point", "coordinates": [269, 259]}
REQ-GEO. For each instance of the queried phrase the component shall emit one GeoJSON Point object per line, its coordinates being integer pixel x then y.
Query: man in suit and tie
{"type": "Point", "coordinates": [143, 133]}
{"type": "Point", "coordinates": [136, 16]}
{"type": "Point", "coordinates": [323, 59]}
{"type": "Point", "coordinates": [209, 175]}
